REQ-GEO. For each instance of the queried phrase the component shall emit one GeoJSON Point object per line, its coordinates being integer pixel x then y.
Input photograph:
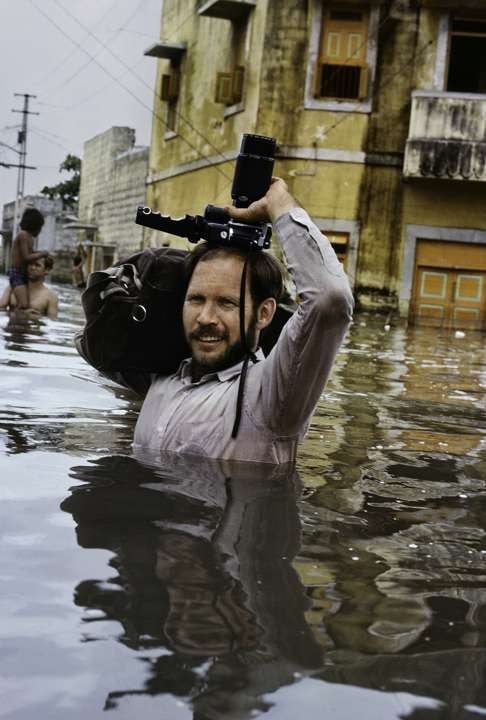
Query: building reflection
{"type": "Point", "coordinates": [230, 580]}
{"type": "Point", "coordinates": [202, 553]}
{"type": "Point", "coordinates": [393, 552]}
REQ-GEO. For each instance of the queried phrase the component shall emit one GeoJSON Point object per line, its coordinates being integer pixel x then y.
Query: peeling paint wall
{"type": "Point", "coordinates": [342, 166]}
{"type": "Point", "coordinates": [112, 186]}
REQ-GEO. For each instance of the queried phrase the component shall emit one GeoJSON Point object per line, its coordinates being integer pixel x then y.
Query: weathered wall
{"type": "Point", "coordinates": [202, 128]}
{"type": "Point", "coordinates": [99, 155]}
{"type": "Point", "coordinates": [112, 186]}
{"type": "Point", "coordinates": [342, 166]}
{"type": "Point", "coordinates": [127, 193]}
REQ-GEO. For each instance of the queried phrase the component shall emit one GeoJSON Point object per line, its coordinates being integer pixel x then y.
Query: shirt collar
{"type": "Point", "coordinates": [184, 372]}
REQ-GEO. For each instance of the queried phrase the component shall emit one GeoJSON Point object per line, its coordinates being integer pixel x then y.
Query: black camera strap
{"type": "Point", "coordinates": [249, 354]}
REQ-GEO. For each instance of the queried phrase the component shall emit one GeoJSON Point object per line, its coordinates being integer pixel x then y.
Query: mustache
{"type": "Point", "coordinates": [200, 332]}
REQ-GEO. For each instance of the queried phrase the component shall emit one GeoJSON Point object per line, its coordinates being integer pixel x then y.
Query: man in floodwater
{"type": "Point", "coordinates": [42, 300]}
{"type": "Point", "coordinates": [193, 411]}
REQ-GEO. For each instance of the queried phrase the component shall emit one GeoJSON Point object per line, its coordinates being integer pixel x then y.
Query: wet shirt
{"type": "Point", "coordinates": [281, 391]}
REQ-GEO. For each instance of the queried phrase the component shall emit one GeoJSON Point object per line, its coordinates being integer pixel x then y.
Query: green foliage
{"type": "Point", "coordinates": [68, 190]}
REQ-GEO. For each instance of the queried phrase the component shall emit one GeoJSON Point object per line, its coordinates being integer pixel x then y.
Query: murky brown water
{"type": "Point", "coordinates": [354, 588]}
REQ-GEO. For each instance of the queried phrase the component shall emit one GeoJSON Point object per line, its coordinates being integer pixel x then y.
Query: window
{"type": "Point", "coordinates": [467, 55]}
{"type": "Point", "coordinates": [230, 84]}
{"type": "Point", "coordinates": [342, 71]}
{"type": "Point", "coordinates": [339, 241]}
{"type": "Point", "coordinates": [169, 93]}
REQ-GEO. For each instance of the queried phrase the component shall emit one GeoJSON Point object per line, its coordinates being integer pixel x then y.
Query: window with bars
{"type": "Point", "coordinates": [342, 71]}
{"type": "Point", "coordinates": [467, 55]}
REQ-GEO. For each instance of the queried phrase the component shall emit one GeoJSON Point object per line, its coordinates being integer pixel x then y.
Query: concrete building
{"type": "Point", "coordinates": [378, 109]}
{"type": "Point", "coordinates": [113, 177]}
{"type": "Point", "coordinates": [56, 235]}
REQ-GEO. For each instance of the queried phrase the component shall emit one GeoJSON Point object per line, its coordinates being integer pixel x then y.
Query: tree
{"type": "Point", "coordinates": [68, 190]}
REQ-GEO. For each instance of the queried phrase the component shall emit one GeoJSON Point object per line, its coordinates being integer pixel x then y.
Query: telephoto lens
{"type": "Point", "coordinates": [254, 169]}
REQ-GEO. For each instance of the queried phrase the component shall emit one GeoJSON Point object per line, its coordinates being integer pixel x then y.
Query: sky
{"type": "Point", "coordinates": [84, 61]}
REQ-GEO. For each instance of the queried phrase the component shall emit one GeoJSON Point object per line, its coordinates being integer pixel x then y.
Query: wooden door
{"type": "Point", "coordinates": [446, 294]}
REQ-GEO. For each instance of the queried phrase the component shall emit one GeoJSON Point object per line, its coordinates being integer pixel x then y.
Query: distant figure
{"type": "Point", "coordinates": [42, 300]}
{"type": "Point", "coordinates": [22, 253]}
{"type": "Point", "coordinates": [78, 272]}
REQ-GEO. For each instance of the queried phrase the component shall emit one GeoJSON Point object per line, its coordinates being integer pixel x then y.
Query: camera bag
{"type": "Point", "coordinates": [133, 315]}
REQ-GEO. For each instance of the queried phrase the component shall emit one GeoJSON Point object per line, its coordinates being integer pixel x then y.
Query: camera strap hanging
{"type": "Point", "coordinates": [249, 354]}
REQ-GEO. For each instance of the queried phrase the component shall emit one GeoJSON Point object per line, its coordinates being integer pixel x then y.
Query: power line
{"type": "Point", "coordinates": [10, 148]}
{"type": "Point", "coordinates": [103, 87]}
{"type": "Point", "coordinates": [140, 79]}
{"type": "Point", "coordinates": [22, 166]}
{"type": "Point", "coordinates": [77, 72]}
{"type": "Point", "coordinates": [135, 97]}
{"type": "Point", "coordinates": [44, 136]}
{"type": "Point", "coordinates": [385, 81]}
{"type": "Point", "coordinates": [62, 62]}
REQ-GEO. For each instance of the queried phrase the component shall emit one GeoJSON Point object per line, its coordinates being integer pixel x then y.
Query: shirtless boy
{"type": "Point", "coordinates": [23, 253]}
{"type": "Point", "coordinates": [42, 300]}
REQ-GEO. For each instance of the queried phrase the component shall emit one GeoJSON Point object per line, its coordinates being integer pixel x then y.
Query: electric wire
{"type": "Point", "coordinates": [60, 64]}
{"type": "Point", "coordinates": [88, 62]}
{"type": "Point", "coordinates": [132, 94]}
{"type": "Point", "coordinates": [385, 81]}
{"type": "Point", "coordinates": [99, 90]}
{"type": "Point", "coordinates": [140, 79]}
{"type": "Point", "coordinates": [157, 116]}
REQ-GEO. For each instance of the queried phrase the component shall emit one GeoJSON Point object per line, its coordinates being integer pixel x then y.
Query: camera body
{"type": "Point", "coordinates": [251, 180]}
{"type": "Point", "coordinates": [254, 169]}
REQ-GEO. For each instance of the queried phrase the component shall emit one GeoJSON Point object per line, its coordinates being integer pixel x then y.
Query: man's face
{"type": "Point", "coordinates": [211, 313]}
{"type": "Point", "coordinates": [36, 270]}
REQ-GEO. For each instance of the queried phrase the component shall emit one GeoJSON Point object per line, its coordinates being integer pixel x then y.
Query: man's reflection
{"type": "Point", "coordinates": [203, 556]}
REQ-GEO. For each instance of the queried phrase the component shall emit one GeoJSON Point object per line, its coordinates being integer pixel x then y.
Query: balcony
{"type": "Point", "coordinates": [447, 137]}
{"type": "Point", "coordinates": [226, 9]}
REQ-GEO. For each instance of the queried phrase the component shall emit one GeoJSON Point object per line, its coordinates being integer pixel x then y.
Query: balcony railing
{"type": "Point", "coordinates": [447, 137]}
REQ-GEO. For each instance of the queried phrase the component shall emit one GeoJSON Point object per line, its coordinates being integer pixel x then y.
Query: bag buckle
{"type": "Point", "coordinates": [139, 313]}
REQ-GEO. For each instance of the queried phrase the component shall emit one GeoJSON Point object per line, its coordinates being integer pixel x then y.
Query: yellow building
{"type": "Point", "coordinates": [379, 110]}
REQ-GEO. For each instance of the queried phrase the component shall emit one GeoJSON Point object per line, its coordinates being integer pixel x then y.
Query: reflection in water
{"type": "Point", "coordinates": [202, 553]}
{"type": "Point", "coordinates": [50, 398]}
{"type": "Point", "coordinates": [364, 595]}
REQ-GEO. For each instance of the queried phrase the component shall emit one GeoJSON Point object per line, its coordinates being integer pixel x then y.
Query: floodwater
{"type": "Point", "coordinates": [353, 587]}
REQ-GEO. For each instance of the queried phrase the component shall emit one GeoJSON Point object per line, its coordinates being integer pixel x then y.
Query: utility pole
{"type": "Point", "coordinates": [22, 167]}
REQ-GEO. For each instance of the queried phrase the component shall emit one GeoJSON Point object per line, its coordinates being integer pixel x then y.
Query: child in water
{"type": "Point", "coordinates": [23, 253]}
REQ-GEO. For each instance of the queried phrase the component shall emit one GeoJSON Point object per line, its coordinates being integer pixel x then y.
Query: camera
{"type": "Point", "coordinates": [251, 180]}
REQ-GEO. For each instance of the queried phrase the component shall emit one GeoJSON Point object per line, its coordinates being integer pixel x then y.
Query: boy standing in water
{"type": "Point", "coordinates": [23, 253]}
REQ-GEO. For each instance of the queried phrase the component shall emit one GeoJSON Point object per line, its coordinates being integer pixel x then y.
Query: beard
{"type": "Point", "coordinates": [232, 355]}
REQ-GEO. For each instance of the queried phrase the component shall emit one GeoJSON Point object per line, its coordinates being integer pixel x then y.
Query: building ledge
{"type": "Point", "coordinates": [446, 160]}
{"type": "Point", "coordinates": [226, 9]}
{"type": "Point", "coordinates": [447, 136]}
{"type": "Point", "coordinates": [445, 95]}
{"type": "Point", "coordinates": [79, 225]}
{"type": "Point", "coordinates": [166, 50]}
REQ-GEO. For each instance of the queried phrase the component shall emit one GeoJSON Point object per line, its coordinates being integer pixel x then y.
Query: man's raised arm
{"type": "Point", "coordinates": [298, 367]}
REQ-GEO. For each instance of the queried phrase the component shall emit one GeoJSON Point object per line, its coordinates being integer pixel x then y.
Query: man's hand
{"type": "Point", "coordinates": [275, 203]}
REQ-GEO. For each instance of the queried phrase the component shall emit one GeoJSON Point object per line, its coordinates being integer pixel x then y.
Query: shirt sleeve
{"type": "Point", "coordinates": [299, 365]}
